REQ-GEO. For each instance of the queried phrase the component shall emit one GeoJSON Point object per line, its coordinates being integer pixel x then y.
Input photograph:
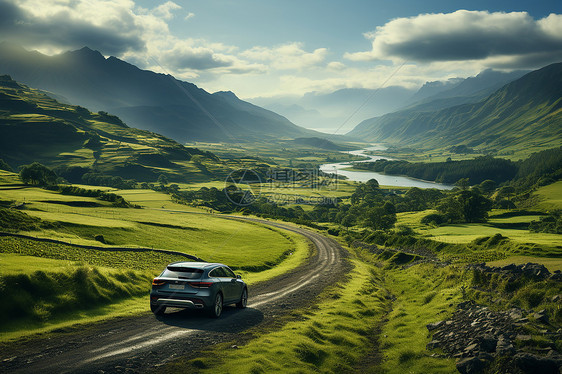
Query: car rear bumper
{"type": "Point", "coordinates": [177, 303]}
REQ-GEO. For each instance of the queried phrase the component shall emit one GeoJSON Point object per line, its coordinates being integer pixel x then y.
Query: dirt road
{"type": "Point", "coordinates": [137, 344]}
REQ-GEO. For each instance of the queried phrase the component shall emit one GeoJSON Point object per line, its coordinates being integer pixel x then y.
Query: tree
{"type": "Point", "coordinates": [379, 218]}
{"type": "Point", "coordinates": [162, 179]}
{"type": "Point", "coordinates": [506, 191]}
{"type": "Point", "coordinates": [463, 183]}
{"type": "Point", "coordinates": [38, 174]}
{"type": "Point", "coordinates": [465, 206]}
{"type": "Point", "coordinates": [365, 191]}
{"type": "Point", "coordinates": [488, 186]}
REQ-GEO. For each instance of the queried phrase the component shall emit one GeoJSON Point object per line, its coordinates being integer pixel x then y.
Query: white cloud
{"type": "Point", "coordinates": [189, 15]}
{"type": "Point", "coordinates": [336, 66]}
{"type": "Point", "coordinates": [466, 35]}
{"type": "Point", "coordinates": [166, 10]}
{"type": "Point", "coordinates": [289, 56]}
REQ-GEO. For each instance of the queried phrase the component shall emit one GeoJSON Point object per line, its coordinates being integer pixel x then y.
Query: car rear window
{"type": "Point", "coordinates": [182, 272]}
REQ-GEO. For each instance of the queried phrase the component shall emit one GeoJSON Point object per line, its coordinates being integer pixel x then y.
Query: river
{"type": "Point", "coordinates": [383, 179]}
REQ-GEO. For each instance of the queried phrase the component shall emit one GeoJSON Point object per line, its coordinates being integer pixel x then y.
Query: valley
{"type": "Point", "coordinates": [364, 252]}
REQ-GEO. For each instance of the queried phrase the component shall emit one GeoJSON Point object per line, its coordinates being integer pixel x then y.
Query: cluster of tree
{"type": "Point", "coordinates": [465, 206]}
{"type": "Point", "coordinates": [115, 199]}
{"type": "Point", "coordinates": [539, 169]}
{"type": "Point", "coordinates": [476, 170]}
{"type": "Point", "coordinates": [86, 175]}
{"type": "Point", "coordinates": [96, 179]}
{"type": "Point", "coordinates": [370, 206]}
{"type": "Point", "coordinates": [38, 174]}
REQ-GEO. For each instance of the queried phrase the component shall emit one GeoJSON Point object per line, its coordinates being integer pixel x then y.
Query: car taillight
{"type": "Point", "coordinates": [201, 284]}
{"type": "Point", "coordinates": [158, 282]}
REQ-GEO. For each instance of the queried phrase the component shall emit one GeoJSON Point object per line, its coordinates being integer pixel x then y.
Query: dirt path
{"type": "Point", "coordinates": [137, 344]}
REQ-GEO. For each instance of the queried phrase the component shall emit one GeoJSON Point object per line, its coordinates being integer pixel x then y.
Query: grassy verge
{"type": "Point", "coordinates": [38, 300]}
{"type": "Point", "coordinates": [333, 336]}
{"type": "Point", "coordinates": [424, 294]}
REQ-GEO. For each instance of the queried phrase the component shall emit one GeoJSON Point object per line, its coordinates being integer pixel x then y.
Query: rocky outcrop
{"type": "Point", "coordinates": [529, 270]}
{"type": "Point", "coordinates": [477, 335]}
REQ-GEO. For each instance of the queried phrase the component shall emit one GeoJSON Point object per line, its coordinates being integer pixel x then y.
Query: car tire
{"type": "Point", "coordinates": [158, 310]}
{"type": "Point", "coordinates": [216, 308]}
{"type": "Point", "coordinates": [243, 299]}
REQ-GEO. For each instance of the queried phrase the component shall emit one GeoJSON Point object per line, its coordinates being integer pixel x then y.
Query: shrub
{"type": "Point", "coordinates": [434, 219]}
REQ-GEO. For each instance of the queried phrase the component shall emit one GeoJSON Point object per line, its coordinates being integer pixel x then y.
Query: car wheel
{"type": "Point", "coordinates": [216, 308]}
{"type": "Point", "coordinates": [243, 299]}
{"type": "Point", "coordinates": [158, 310]}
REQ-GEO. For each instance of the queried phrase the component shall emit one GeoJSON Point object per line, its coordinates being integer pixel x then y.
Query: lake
{"type": "Point", "coordinates": [383, 179]}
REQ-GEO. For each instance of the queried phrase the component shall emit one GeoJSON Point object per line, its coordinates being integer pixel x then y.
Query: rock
{"type": "Point", "coordinates": [509, 267]}
{"type": "Point", "coordinates": [433, 344]}
{"type": "Point", "coordinates": [434, 325]}
{"type": "Point", "coordinates": [470, 365]}
{"type": "Point", "coordinates": [472, 347]}
{"type": "Point", "coordinates": [504, 347]}
{"type": "Point", "coordinates": [488, 344]}
{"type": "Point", "coordinates": [531, 364]}
{"type": "Point", "coordinates": [541, 317]}
{"type": "Point", "coordinates": [515, 314]}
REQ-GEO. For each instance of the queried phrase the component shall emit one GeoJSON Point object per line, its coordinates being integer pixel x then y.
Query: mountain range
{"type": "Point", "coordinates": [144, 99]}
{"type": "Point", "coordinates": [525, 113]}
{"type": "Point", "coordinates": [76, 142]}
{"type": "Point", "coordinates": [338, 111]}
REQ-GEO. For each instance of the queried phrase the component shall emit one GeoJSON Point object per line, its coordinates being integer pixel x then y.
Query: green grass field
{"type": "Point", "coordinates": [161, 224]}
{"type": "Point", "coordinates": [550, 197]}
{"type": "Point", "coordinates": [515, 228]}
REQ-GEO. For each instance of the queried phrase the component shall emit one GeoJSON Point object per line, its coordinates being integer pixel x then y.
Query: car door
{"type": "Point", "coordinates": [234, 285]}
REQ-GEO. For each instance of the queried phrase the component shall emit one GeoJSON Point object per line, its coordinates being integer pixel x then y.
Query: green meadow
{"type": "Point", "coordinates": [257, 251]}
{"type": "Point", "coordinates": [513, 226]}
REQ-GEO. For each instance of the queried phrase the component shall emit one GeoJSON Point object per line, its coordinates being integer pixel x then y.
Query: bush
{"type": "Point", "coordinates": [434, 219]}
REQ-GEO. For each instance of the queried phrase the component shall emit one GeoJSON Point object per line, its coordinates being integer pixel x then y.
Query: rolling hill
{"type": "Point", "coordinates": [144, 99]}
{"type": "Point", "coordinates": [523, 114]}
{"type": "Point", "coordinates": [75, 141]}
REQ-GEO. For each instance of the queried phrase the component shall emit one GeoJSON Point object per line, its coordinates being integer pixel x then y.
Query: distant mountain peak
{"type": "Point", "coordinates": [87, 53]}
{"type": "Point", "coordinates": [227, 94]}
{"type": "Point", "coordinates": [146, 99]}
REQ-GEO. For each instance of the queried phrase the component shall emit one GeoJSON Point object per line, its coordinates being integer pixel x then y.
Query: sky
{"type": "Point", "coordinates": [267, 48]}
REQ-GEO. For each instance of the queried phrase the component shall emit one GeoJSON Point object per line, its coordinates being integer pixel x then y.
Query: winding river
{"type": "Point", "coordinates": [383, 179]}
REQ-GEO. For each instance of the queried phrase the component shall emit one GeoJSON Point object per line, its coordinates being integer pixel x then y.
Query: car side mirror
{"type": "Point", "coordinates": [238, 276]}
